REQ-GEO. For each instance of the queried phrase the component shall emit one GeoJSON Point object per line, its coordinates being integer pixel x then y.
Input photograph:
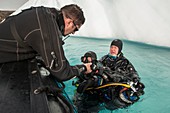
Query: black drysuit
{"type": "Point", "coordinates": [40, 33]}
{"type": "Point", "coordinates": [39, 30]}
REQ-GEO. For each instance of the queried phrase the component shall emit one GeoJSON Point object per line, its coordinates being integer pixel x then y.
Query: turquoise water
{"type": "Point", "coordinates": [151, 62]}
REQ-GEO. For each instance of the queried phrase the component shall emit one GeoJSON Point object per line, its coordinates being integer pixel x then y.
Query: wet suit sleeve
{"type": "Point", "coordinates": [130, 69]}
{"type": "Point", "coordinates": [47, 42]}
{"type": "Point", "coordinates": [102, 60]}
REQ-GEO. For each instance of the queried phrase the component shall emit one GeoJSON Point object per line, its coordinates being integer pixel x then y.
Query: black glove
{"type": "Point", "coordinates": [84, 85]}
{"type": "Point", "coordinates": [140, 86]}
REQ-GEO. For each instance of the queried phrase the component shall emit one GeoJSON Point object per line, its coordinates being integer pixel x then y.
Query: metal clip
{"type": "Point", "coordinates": [132, 86]}
{"type": "Point", "coordinates": [54, 61]}
{"type": "Point", "coordinates": [53, 55]}
{"type": "Point", "coordinates": [36, 91]}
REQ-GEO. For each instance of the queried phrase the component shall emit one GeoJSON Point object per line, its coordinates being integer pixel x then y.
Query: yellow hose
{"type": "Point", "coordinates": [111, 84]}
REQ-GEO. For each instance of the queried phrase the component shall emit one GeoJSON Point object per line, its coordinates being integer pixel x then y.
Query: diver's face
{"type": "Point", "coordinates": [70, 26]}
{"type": "Point", "coordinates": [114, 50]}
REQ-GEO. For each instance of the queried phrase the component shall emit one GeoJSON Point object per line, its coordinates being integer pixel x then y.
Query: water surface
{"type": "Point", "coordinates": [151, 62]}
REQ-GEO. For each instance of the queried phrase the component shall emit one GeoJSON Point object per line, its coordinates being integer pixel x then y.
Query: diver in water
{"type": "Point", "coordinates": [120, 65]}
{"type": "Point", "coordinates": [84, 102]}
{"type": "Point", "coordinates": [110, 86]}
{"type": "Point", "coordinates": [115, 59]}
{"type": "Point", "coordinates": [117, 62]}
{"type": "Point", "coordinates": [36, 31]}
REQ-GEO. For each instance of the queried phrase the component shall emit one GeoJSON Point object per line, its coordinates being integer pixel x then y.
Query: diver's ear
{"type": "Point", "coordinates": [67, 21]}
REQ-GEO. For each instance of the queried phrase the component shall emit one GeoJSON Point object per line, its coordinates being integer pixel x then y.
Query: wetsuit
{"type": "Point", "coordinates": [40, 33]}
{"type": "Point", "coordinates": [92, 102]}
{"type": "Point", "coordinates": [120, 64]}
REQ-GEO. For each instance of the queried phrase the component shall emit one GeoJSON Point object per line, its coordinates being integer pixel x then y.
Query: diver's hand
{"type": "Point", "coordinates": [88, 67]}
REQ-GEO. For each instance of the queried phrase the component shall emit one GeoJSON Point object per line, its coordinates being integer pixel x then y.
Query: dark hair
{"type": "Point", "coordinates": [74, 12]}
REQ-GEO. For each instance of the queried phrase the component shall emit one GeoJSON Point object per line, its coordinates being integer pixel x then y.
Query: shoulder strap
{"type": "Point", "coordinates": [15, 33]}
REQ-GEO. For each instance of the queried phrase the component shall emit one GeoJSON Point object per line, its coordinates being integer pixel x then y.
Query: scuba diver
{"type": "Point", "coordinates": [120, 65]}
{"type": "Point", "coordinates": [37, 31]}
{"type": "Point", "coordinates": [116, 61]}
{"type": "Point", "coordinates": [84, 102]}
{"type": "Point", "coordinates": [107, 87]}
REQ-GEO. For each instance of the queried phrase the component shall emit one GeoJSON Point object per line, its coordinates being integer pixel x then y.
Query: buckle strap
{"type": "Point", "coordinates": [48, 89]}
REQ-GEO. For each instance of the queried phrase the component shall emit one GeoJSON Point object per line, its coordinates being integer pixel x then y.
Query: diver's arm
{"type": "Point", "coordinates": [102, 60]}
{"type": "Point", "coordinates": [47, 42]}
{"type": "Point", "coordinates": [132, 73]}
{"type": "Point", "coordinates": [56, 62]}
